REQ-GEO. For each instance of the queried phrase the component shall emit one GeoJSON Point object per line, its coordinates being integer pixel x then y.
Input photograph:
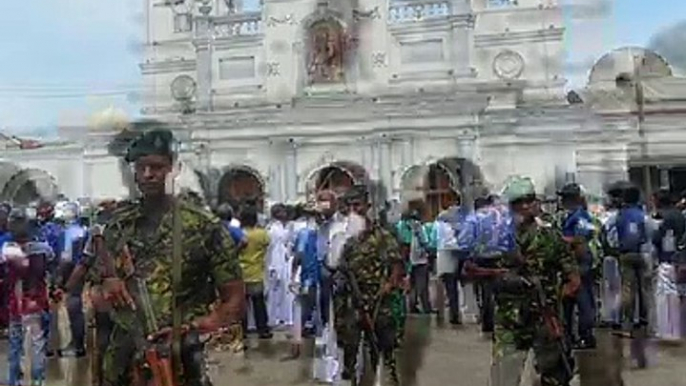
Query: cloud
{"type": "Point", "coordinates": [670, 42]}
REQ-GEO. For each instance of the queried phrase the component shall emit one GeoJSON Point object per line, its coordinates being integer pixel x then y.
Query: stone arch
{"type": "Point", "coordinates": [622, 60]}
{"type": "Point", "coordinates": [322, 15]}
{"type": "Point", "coordinates": [241, 183]}
{"type": "Point", "coordinates": [437, 183]}
{"type": "Point", "coordinates": [338, 176]}
{"type": "Point", "coordinates": [7, 171]}
{"type": "Point", "coordinates": [29, 185]}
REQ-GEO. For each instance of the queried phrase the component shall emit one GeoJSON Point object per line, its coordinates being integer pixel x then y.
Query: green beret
{"type": "Point", "coordinates": [154, 142]}
{"type": "Point", "coordinates": [518, 188]}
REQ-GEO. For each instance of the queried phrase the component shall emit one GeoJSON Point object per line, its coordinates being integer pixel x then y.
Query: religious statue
{"type": "Point", "coordinates": [326, 52]}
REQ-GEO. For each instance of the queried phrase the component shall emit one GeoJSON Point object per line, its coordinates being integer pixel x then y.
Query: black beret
{"type": "Point", "coordinates": [356, 192]}
{"type": "Point", "coordinates": [617, 188]}
{"type": "Point", "coordinates": [154, 142]}
{"type": "Point", "coordinates": [18, 214]}
{"type": "Point", "coordinates": [570, 190]}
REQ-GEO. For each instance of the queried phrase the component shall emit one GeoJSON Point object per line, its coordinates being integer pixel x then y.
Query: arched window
{"type": "Point", "coordinates": [239, 187]}
{"type": "Point", "coordinates": [334, 178]}
{"type": "Point", "coordinates": [439, 191]}
{"type": "Point", "coordinates": [28, 186]}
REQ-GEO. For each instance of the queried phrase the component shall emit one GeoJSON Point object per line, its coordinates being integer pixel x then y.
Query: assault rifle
{"type": "Point", "coordinates": [154, 357]}
{"type": "Point", "coordinates": [552, 323]}
{"type": "Point", "coordinates": [472, 270]}
{"type": "Point", "coordinates": [367, 321]}
{"type": "Point", "coordinates": [362, 316]}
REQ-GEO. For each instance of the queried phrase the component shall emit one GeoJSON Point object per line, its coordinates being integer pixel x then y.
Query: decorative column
{"type": "Point", "coordinates": [291, 172]}
{"type": "Point", "coordinates": [384, 163]}
{"type": "Point", "coordinates": [203, 49]}
{"type": "Point", "coordinates": [465, 150]}
{"type": "Point", "coordinates": [407, 152]}
{"type": "Point", "coordinates": [664, 178]}
{"type": "Point", "coordinates": [274, 179]}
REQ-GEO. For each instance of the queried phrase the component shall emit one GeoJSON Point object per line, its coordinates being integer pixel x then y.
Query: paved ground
{"type": "Point", "coordinates": [441, 356]}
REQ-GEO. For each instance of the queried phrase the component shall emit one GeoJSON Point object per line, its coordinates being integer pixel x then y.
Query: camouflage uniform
{"type": "Point", "coordinates": [370, 259]}
{"type": "Point", "coordinates": [541, 254]}
{"type": "Point", "coordinates": [209, 261]}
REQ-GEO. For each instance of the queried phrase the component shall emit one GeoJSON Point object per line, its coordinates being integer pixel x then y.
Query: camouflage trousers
{"type": "Point", "coordinates": [350, 331]}
{"type": "Point", "coordinates": [635, 289]}
{"type": "Point", "coordinates": [511, 348]}
{"type": "Point", "coordinates": [119, 361]}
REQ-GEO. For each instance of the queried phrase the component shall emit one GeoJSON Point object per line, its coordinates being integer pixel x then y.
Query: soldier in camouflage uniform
{"type": "Point", "coordinates": [541, 268]}
{"type": "Point", "coordinates": [373, 259]}
{"type": "Point", "coordinates": [137, 259]}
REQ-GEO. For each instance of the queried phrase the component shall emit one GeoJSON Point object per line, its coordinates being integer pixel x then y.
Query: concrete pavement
{"type": "Point", "coordinates": [436, 356]}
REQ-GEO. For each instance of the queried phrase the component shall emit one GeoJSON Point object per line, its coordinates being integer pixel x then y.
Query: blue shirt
{"type": "Point", "coordinates": [487, 232]}
{"type": "Point", "coordinates": [74, 237]}
{"type": "Point", "coordinates": [237, 234]}
{"type": "Point", "coordinates": [5, 237]}
{"type": "Point", "coordinates": [52, 234]}
{"type": "Point", "coordinates": [323, 240]}
{"type": "Point", "coordinates": [578, 223]}
{"type": "Point", "coordinates": [466, 234]}
{"type": "Point", "coordinates": [631, 229]}
{"type": "Point", "coordinates": [306, 248]}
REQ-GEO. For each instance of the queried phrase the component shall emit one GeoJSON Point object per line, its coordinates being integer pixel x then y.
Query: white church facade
{"type": "Point", "coordinates": [422, 98]}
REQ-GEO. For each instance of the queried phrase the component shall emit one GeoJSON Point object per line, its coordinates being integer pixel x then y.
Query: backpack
{"type": "Point", "coordinates": [631, 230]}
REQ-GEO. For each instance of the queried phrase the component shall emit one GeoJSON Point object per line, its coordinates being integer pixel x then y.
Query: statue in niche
{"type": "Point", "coordinates": [326, 39]}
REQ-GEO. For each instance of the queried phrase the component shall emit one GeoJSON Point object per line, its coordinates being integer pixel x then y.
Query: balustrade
{"type": "Point", "coordinates": [501, 3]}
{"type": "Point", "coordinates": [244, 24]}
{"type": "Point", "coordinates": [417, 10]}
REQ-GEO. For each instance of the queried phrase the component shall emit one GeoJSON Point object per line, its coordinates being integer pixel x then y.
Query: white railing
{"type": "Point", "coordinates": [501, 3]}
{"type": "Point", "coordinates": [417, 10]}
{"type": "Point", "coordinates": [244, 24]}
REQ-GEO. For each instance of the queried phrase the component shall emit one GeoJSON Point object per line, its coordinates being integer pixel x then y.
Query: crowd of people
{"type": "Point", "coordinates": [336, 270]}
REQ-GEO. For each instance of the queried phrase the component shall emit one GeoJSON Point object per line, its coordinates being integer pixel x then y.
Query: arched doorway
{"type": "Point", "coordinates": [337, 177]}
{"type": "Point", "coordinates": [240, 186]}
{"type": "Point", "coordinates": [430, 188]}
{"type": "Point", "coordinates": [441, 188]}
{"type": "Point", "coordinates": [30, 185]}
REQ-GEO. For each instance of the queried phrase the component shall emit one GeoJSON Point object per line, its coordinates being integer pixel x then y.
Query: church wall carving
{"type": "Point", "coordinates": [316, 47]}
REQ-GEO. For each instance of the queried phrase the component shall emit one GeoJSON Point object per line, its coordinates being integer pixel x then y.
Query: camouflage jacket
{"type": "Point", "coordinates": [209, 259]}
{"type": "Point", "coordinates": [541, 254]}
{"type": "Point", "coordinates": [370, 258]}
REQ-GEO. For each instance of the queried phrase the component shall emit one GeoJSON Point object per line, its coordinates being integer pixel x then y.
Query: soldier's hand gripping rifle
{"type": "Point", "coordinates": [552, 323]}
{"type": "Point", "coordinates": [366, 321]}
{"type": "Point", "coordinates": [154, 364]}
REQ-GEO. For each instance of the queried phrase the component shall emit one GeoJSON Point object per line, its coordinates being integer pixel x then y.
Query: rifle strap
{"type": "Point", "coordinates": [384, 256]}
{"type": "Point", "coordinates": [177, 233]}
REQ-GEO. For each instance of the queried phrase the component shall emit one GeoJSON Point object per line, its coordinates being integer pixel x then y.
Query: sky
{"type": "Point", "coordinates": [63, 60]}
